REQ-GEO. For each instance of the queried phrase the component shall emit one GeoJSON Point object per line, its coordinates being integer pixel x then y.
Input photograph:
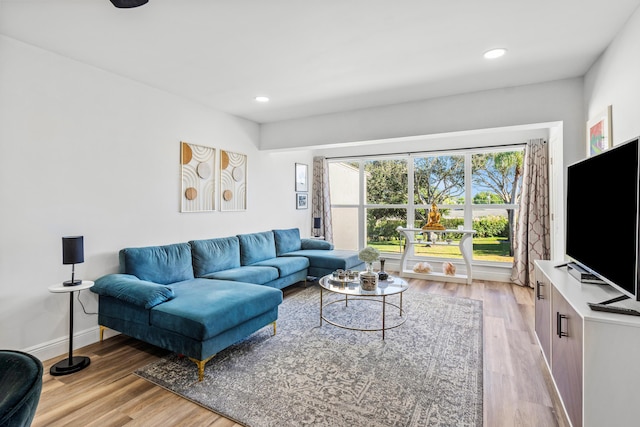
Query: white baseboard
{"type": "Point", "coordinates": [60, 347]}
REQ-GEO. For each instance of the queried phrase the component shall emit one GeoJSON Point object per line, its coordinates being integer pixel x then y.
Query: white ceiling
{"type": "Point", "coordinates": [322, 56]}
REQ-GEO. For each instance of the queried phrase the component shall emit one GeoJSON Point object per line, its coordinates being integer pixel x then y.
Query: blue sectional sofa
{"type": "Point", "coordinates": [199, 297]}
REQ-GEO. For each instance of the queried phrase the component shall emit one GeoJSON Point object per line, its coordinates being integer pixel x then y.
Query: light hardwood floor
{"type": "Point", "coordinates": [517, 388]}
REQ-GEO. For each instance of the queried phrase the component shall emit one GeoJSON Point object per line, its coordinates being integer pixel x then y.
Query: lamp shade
{"type": "Point", "coordinates": [316, 222]}
{"type": "Point", "coordinates": [73, 250]}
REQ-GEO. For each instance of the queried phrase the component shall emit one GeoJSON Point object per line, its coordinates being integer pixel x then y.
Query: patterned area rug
{"type": "Point", "coordinates": [427, 372]}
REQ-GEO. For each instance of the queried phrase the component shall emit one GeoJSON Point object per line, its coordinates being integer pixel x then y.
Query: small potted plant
{"type": "Point", "coordinates": [369, 279]}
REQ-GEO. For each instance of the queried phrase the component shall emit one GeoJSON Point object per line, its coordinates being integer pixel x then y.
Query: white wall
{"type": "Point", "coordinates": [85, 152]}
{"type": "Point", "coordinates": [615, 80]}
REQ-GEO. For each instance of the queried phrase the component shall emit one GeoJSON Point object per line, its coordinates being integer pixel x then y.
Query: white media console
{"type": "Point", "coordinates": [593, 357]}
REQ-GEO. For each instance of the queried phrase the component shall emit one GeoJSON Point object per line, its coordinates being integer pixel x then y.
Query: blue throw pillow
{"type": "Point", "coordinates": [129, 288]}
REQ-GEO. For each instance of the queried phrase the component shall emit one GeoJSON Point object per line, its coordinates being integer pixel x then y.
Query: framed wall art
{"type": "Point", "coordinates": [198, 192]}
{"type": "Point", "coordinates": [301, 201]}
{"type": "Point", "coordinates": [233, 181]}
{"type": "Point", "coordinates": [599, 135]}
{"type": "Point", "coordinates": [302, 177]}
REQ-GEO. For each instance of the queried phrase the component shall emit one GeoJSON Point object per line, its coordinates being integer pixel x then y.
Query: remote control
{"type": "Point", "coordinates": [613, 309]}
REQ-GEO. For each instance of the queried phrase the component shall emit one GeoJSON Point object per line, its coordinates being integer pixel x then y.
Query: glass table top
{"type": "Point", "coordinates": [393, 285]}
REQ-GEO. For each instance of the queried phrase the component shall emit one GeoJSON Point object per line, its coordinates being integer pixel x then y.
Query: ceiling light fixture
{"type": "Point", "coordinates": [495, 53]}
{"type": "Point", "coordinates": [126, 4]}
{"type": "Point", "coordinates": [262, 99]}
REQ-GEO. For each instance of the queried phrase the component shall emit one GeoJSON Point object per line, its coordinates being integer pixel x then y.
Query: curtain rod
{"type": "Point", "coordinates": [410, 153]}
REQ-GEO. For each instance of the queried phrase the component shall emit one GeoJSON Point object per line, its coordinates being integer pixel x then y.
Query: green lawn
{"type": "Point", "coordinates": [484, 249]}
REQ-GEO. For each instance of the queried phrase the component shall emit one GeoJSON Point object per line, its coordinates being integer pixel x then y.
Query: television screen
{"type": "Point", "coordinates": [602, 215]}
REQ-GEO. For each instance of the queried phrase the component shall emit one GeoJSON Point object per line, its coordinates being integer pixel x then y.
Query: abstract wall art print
{"type": "Point", "coordinates": [599, 132]}
{"type": "Point", "coordinates": [302, 179]}
{"type": "Point", "coordinates": [233, 181]}
{"type": "Point", "coordinates": [198, 178]}
{"type": "Point", "coordinates": [301, 201]}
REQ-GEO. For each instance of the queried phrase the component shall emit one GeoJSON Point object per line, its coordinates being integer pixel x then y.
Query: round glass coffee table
{"type": "Point", "coordinates": [352, 291]}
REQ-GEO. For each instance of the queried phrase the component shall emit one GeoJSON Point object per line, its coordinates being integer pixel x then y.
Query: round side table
{"type": "Point", "coordinates": [71, 364]}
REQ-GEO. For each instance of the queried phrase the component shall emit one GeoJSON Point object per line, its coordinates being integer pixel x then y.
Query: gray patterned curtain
{"type": "Point", "coordinates": [321, 201]}
{"type": "Point", "coordinates": [532, 235]}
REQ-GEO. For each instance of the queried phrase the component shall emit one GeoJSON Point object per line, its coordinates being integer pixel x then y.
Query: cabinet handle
{"type": "Point", "coordinates": [559, 318]}
{"type": "Point", "coordinates": [538, 286]}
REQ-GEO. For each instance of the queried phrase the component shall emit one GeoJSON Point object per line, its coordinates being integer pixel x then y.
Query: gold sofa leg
{"type": "Point", "coordinates": [201, 364]}
{"type": "Point", "coordinates": [274, 328]}
{"type": "Point", "coordinates": [102, 329]}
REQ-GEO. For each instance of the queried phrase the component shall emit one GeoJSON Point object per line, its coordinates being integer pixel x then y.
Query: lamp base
{"type": "Point", "coordinates": [69, 366]}
{"type": "Point", "coordinates": [75, 282]}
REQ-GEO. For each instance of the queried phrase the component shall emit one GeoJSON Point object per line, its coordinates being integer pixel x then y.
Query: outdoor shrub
{"type": "Point", "coordinates": [384, 229]}
{"type": "Point", "coordinates": [491, 226]}
{"type": "Point", "coordinates": [488, 226]}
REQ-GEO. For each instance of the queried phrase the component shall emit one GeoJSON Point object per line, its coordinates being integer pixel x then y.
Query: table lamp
{"type": "Point", "coordinates": [316, 226]}
{"type": "Point", "coordinates": [73, 253]}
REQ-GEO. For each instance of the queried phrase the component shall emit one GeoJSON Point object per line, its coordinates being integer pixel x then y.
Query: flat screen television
{"type": "Point", "coordinates": [602, 232]}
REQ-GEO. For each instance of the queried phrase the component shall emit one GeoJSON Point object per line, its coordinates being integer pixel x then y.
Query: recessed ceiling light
{"type": "Point", "coordinates": [262, 99]}
{"type": "Point", "coordinates": [495, 53]}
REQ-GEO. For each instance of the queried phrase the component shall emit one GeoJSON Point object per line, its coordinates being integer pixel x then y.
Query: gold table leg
{"type": "Point", "coordinates": [320, 305]}
{"type": "Point", "coordinates": [384, 305]}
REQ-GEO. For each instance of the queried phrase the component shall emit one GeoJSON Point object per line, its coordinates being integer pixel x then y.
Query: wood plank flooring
{"type": "Point", "coordinates": [517, 387]}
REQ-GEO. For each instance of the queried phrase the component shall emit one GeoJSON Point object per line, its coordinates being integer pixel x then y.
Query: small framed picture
{"type": "Point", "coordinates": [302, 177]}
{"type": "Point", "coordinates": [599, 132]}
{"type": "Point", "coordinates": [301, 201]}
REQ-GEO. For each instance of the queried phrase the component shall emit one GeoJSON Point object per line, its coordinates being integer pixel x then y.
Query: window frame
{"type": "Point", "coordinates": [468, 207]}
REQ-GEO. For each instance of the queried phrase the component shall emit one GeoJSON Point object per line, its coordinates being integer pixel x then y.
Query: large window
{"type": "Point", "coordinates": [476, 189]}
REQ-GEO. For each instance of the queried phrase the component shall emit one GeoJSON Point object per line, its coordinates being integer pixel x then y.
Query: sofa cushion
{"type": "Point", "coordinates": [331, 260]}
{"type": "Point", "coordinates": [256, 247]}
{"type": "Point", "coordinates": [287, 240]}
{"type": "Point", "coordinates": [158, 264]}
{"type": "Point", "coordinates": [214, 255]}
{"type": "Point", "coordinates": [129, 288]}
{"type": "Point", "coordinates": [286, 265]}
{"type": "Point", "coordinates": [204, 308]}
{"type": "Point", "coordinates": [315, 244]}
{"type": "Point", "coordinates": [251, 274]}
